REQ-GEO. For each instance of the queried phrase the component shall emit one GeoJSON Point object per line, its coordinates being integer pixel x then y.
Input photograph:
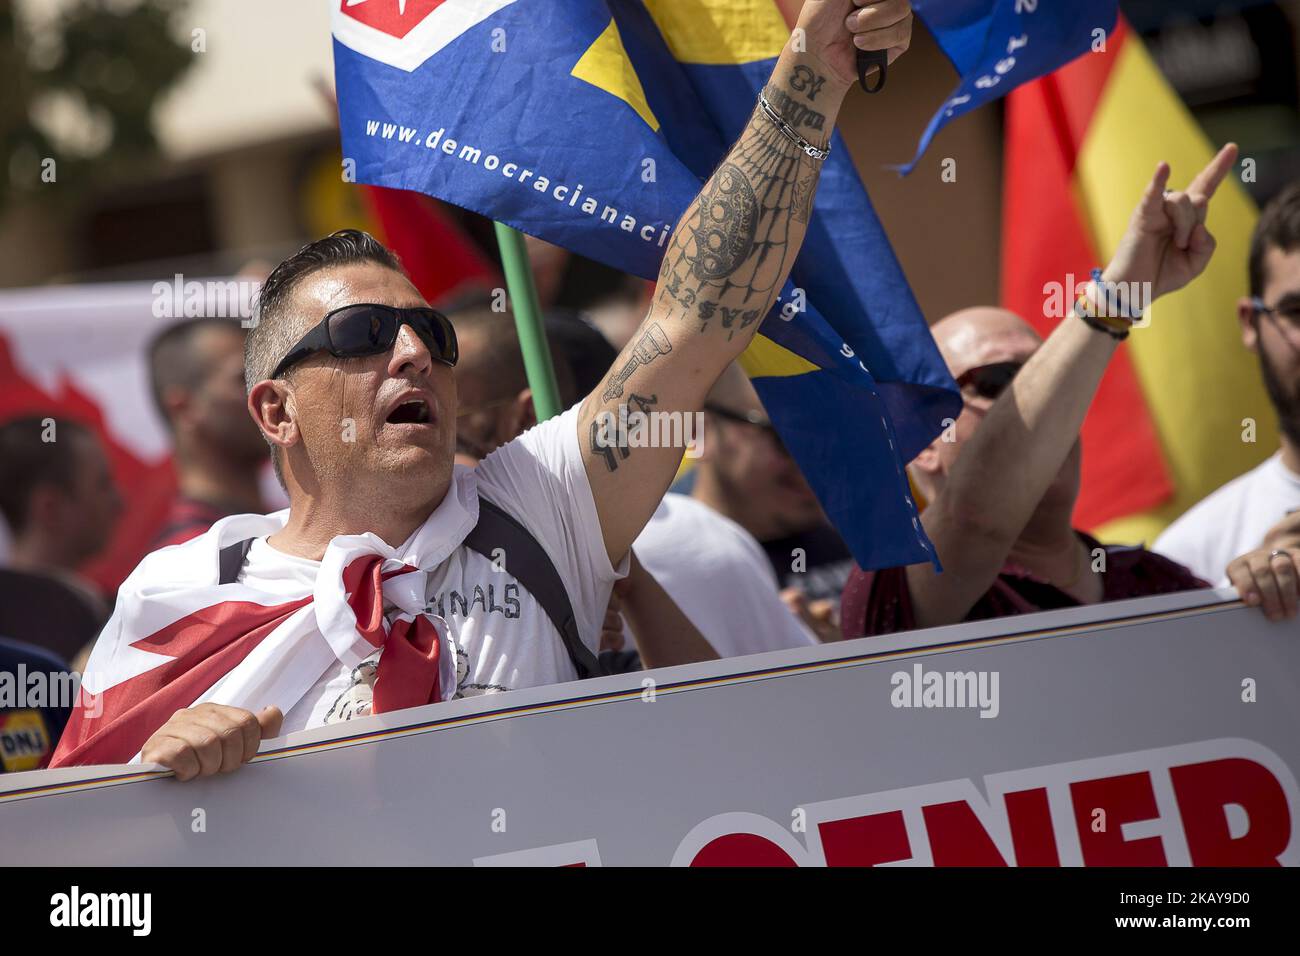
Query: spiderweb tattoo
{"type": "Point", "coordinates": [729, 256]}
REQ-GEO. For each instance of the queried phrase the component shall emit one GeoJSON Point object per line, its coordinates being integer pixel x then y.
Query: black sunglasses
{"type": "Point", "coordinates": [369, 329]}
{"type": "Point", "coordinates": [989, 381]}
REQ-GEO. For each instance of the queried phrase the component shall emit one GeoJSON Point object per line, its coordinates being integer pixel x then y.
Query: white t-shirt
{"type": "Point", "coordinates": [503, 637]}
{"type": "Point", "coordinates": [719, 576]}
{"type": "Point", "coordinates": [1232, 520]}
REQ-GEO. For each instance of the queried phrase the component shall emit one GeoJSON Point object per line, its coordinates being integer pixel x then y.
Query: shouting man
{"type": "Point", "coordinates": [373, 591]}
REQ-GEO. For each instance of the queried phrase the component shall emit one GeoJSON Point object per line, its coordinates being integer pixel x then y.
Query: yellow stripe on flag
{"type": "Point", "coordinates": [764, 357]}
{"type": "Point", "coordinates": [720, 31]}
{"type": "Point", "coordinates": [1199, 381]}
{"type": "Point", "coordinates": [606, 66]}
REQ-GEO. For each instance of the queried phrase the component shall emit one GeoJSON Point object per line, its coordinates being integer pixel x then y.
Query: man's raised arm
{"type": "Point", "coordinates": [729, 257]}
{"type": "Point", "coordinates": [1007, 466]}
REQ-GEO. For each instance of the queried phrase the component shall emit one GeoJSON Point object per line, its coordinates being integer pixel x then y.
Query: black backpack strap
{"type": "Point", "coordinates": [530, 565]}
{"type": "Point", "coordinates": [620, 662]}
{"type": "Point", "coordinates": [230, 560]}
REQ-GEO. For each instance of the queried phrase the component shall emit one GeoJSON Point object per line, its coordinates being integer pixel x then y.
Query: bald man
{"type": "Point", "coordinates": [1002, 480]}
{"type": "Point", "coordinates": [1047, 564]}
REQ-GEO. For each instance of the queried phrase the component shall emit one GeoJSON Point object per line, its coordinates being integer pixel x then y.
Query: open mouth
{"type": "Point", "coordinates": [414, 411]}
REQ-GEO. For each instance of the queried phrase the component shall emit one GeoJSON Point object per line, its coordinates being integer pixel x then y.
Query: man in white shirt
{"type": "Point", "coordinates": [1249, 530]}
{"type": "Point", "coordinates": [350, 380]}
{"type": "Point", "coordinates": [717, 573]}
{"type": "Point", "coordinates": [690, 551]}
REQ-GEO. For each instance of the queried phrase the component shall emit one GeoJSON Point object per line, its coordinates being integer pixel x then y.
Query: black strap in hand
{"type": "Point", "coordinates": [866, 60]}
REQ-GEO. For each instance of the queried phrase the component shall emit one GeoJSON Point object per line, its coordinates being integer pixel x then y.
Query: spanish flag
{"type": "Point", "coordinates": [1181, 409]}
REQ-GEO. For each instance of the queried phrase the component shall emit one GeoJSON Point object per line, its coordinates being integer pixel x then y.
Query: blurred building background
{"type": "Point", "coordinates": [246, 163]}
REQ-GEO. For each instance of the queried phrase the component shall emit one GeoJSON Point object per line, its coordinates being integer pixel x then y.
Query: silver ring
{"type": "Point", "coordinates": [1279, 552]}
{"type": "Point", "coordinates": [1167, 193]}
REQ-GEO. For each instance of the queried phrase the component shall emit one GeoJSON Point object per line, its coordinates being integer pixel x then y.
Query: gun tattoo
{"type": "Point", "coordinates": [651, 345]}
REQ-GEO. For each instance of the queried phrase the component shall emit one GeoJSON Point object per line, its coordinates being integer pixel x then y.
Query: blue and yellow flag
{"type": "Point", "coordinates": [592, 124]}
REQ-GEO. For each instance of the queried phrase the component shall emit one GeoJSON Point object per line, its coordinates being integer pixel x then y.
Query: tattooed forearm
{"type": "Point", "coordinates": [730, 255]}
{"type": "Point", "coordinates": [728, 260]}
{"type": "Point", "coordinates": [650, 346]}
{"type": "Point", "coordinates": [733, 249]}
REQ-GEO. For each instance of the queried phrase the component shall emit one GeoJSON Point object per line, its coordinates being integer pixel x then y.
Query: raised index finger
{"type": "Point", "coordinates": [1208, 179]}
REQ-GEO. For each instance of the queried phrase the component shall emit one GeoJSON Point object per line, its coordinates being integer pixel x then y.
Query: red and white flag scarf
{"type": "Point", "coordinates": [177, 638]}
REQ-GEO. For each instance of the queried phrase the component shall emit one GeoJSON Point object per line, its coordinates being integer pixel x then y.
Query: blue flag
{"type": "Point", "coordinates": [593, 124]}
{"type": "Point", "coordinates": [996, 45]}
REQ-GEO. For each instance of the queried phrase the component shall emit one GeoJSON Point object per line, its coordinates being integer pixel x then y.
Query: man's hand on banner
{"type": "Point", "coordinates": [1167, 243]}
{"type": "Point", "coordinates": [836, 29]}
{"type": "Point", "coordinates": [1268, 578]}
{"type": "Point", "coordinates": [210, 738]}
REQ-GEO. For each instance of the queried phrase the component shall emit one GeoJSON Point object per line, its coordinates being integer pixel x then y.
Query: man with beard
{"type": "Point", "coordinates": [196, 370]}
{"type": "Point", "coordinates": [1257, 515]}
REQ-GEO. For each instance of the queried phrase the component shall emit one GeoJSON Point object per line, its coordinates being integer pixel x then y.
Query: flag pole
{"type": "Point", "coordinates": [528, 322]}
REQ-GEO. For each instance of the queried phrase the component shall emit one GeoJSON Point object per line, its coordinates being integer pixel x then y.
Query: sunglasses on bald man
{"type": "Point", "coordinates": [988, 381]}
{"type": "Point", "coordinates": [369, 329]}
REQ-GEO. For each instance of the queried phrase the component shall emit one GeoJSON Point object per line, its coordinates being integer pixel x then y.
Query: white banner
{"type": "Point", "coordinates": [1154, 732]}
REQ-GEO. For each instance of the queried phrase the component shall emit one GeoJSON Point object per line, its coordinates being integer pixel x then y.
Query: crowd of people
{"type": "Point", "coordinates": [441, 542]}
